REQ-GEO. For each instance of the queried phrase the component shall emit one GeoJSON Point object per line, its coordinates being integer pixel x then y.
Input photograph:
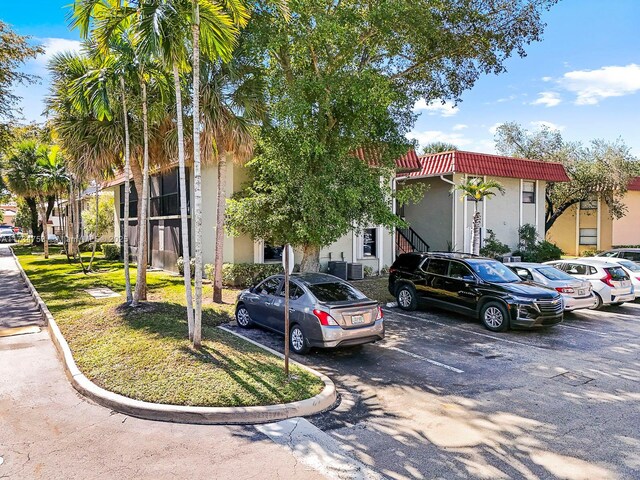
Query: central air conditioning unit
{"type": "Point", "coordinates": [355, 271]}
{"type": "Point", "coordinates": [338, 269]}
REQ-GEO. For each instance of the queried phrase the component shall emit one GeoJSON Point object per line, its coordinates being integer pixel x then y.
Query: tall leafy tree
{"type": "Point", "coordinates": [343, 77]}
{"type": "Point", "coordinates": [439, 147]}
{"type": "Point", "coordinates": [14, 51]}
{"type": "Point", "coordinates": [478, 190]}
{"type": "Point", "coordinates": [601, 169]}
{"type": "Point", "coordinates": [233, 105]}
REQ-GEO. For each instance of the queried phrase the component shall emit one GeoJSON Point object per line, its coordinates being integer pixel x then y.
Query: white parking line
{"type": "Point", "coordinates": [420, 357]}
{"type": "Point", "coordinates": [463, 329]}
{"type": "Point", "coordinates": [601, 334]}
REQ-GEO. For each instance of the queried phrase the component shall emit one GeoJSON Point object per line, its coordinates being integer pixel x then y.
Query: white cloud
{"type": "Point", "coordinates": [494, 128]}
{"type": "Point", "coordinates": [592, 86]}
{"type": "Point", "coordinates": [460, 126]}
{"type": "Point", "coordinates": [548, 99]}
{"type": "Point", "coordinates": [436, 107]}
{"type": "Point", "coordinates": [53, 46]}
{"type": "Point", "coordinates": [546, 79]}
{"type": "Point", "coordinates": [549, 125]}
{"type": "Point", "coordinates": [430, 136]}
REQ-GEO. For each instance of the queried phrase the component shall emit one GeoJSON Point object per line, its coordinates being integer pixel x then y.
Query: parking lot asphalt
{"type": "Point", "coordinates": [442, 397]}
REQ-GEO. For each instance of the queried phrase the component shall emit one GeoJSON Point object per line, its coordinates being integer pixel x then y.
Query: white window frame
{"type": "Point", "coordinates": [583, 236]}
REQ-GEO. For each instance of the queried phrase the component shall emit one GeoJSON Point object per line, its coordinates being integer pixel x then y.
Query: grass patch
{"type": "Point", "coordinates": [376, 288]}
{"type": "Point", "coordinates": [145, 354]}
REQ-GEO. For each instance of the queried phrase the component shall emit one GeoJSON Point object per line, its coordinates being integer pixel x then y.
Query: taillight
{"type": "Point", "coordinates": [379, 317]}
{"type": "Point", "coordinates": [638, 278]}
{"type": "Point", "coordinates": [393, 270]}
{"type": "Point", "coordinates": [607, 279]}
{"type": "Point", "coordinates": [325, 319]}
{"type": "Point", "coordinates": [565, 289]}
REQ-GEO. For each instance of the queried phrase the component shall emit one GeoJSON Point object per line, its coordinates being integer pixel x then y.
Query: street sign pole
{"type": "Point", "coordinates": [286, 309]}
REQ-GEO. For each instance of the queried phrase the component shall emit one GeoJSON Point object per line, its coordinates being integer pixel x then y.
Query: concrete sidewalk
{"type": "Point", "coordinates": [48, 431]}
{"type": "Point", "coordinates": [17, 308]}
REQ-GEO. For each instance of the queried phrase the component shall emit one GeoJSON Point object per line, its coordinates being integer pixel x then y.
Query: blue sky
{"type": "Point", "coordinates": [583, 78]}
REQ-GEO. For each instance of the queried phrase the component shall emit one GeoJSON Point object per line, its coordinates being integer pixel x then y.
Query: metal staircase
{"type": "Point", "coordinates": [408, 240]}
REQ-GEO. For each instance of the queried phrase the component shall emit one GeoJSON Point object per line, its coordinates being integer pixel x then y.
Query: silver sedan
{"type": "Point", "coordinates": [575, 293]}
{"type": "Point", "coordinates": [325, 311]}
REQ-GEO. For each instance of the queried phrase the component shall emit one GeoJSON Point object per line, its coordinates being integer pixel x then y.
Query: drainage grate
{"type": "Point", "coordinates": [573, 379]}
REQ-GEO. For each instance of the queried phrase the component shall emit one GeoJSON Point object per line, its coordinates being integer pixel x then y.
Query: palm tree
{"type": "Point", "coordinates": [232, 107]}
{"type": "Point", "coordinates": [235, 16]}
{"type": "Point", "coordinates": [477, 189]}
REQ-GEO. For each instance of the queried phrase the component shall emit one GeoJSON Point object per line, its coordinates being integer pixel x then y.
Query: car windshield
{"type": "Point", "coordinates": [493, 271]}
{"type": "Point", "coordinates": [553, 273]}
{"type": "Point", "coordinates": [628, 264]}
{"type": "Point", "coordinates": [335, 292]}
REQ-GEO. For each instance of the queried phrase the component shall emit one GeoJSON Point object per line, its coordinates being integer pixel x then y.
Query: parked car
{"type": "Point", "coordinates": [480, 287]}
{"type": "Point", "coordinates": [325, 311]}
{"type": "Point", "coordinates": [576, 293]}
{"type": "Point", "coordinates": [610, 283]}
{"type": "Point", "coordinates": [7, 235]}
{"type": "Point", "coordinates": [51, 238]}
{"type": "Point", "coordinates": [632, 269]}
{"type": "Point", "coordinates": [632, 254]}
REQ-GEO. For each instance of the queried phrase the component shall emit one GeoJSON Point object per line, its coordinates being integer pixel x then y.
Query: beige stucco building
{"type": "Point", "coordinates": [588, 225]}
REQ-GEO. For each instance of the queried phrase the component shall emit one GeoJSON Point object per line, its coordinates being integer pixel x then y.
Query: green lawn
{"type": "Point", "coordinates": [376, 288]}
{"type": "Point", "coordinates": [144, 354]}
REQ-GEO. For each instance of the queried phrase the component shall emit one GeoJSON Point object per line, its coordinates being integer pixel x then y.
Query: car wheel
{"type": "Point", "coordinates": [298, 341]}
{"type": "Point", "coordinates": [406, 298]}
{"type": "Point", "coordinates": [598, 305]}
{"type": "Point", "coordinates": [243, 319]}
{"type": "Point", "coordinates": [495, 317]}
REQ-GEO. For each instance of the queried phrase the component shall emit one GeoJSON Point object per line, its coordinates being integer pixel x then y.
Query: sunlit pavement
{"type": "Point", "coordinates": [442, 397]}
{"type": "Point", "coordinates": [48, 431]}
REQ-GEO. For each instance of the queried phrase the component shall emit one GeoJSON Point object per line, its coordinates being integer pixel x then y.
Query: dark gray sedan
{"type": "Point", "coordinates": [325, 311]}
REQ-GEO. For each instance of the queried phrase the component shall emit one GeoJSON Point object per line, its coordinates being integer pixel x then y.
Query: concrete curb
{"type": "Point", "coordinates": [178, 413]}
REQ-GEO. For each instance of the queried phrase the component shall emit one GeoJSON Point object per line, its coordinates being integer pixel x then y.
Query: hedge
{"type": "Point", "coordinates": [111, 251]}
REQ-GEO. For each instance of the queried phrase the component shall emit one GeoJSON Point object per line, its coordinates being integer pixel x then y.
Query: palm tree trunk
{"type": "Point", "coordinates": [475, 236]}
{"type": "Point", "coordinates": [45, 236]}
{"type": "Point", "coordinates": [127, 173]}
{"type": "Point", "coordinates": [95, 232]}
{"type": "Point", "coordinates": [197, 178]}
{"type": "Point", "coordinates": [222, 174]}
{"type": "Point", "coordinates": [184, 223]}
{"type": "Point", "coordinates": [141, 281]}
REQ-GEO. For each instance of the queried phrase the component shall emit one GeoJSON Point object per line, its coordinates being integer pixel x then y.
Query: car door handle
{"type": "Point", "coordinates": [292, 309]}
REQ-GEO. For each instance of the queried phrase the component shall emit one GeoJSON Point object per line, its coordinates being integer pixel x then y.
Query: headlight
{"type": "Point", "coordinates": [522, 300]}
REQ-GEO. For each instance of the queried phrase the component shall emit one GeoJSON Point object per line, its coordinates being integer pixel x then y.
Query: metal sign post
{"type": "Point", "coordinates": [286, 260]}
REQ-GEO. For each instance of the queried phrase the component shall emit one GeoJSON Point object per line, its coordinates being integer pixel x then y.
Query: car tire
{"type": "Point", "coordinates": [599, 302]}
{"type": "Point", "coordinates": [243, 319]}
{"type": "Point", "coordinates": [298, 340]}
{"type": "Point", "coordinates": [406, 298]}
{"type": "Point", "coordinates": [494, 316]}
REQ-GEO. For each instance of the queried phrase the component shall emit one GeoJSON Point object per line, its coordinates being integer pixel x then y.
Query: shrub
{"type": "Point", "coordinates": [546, 251]}
{"type": "Point", "coordinates": [492, 246]}
{"type": "Point", "coordinates": [248, 274]}
{"type": "Point", "coordinates": [368, 271]}
{"type": "Point", "coordinates": [180, 265]}
{"type": "Point", "coordinates": [591, 253]}
{"type": "Point", "coordinates": [384, 270]}
{"type": "Point", "coordinates": [110, 251]}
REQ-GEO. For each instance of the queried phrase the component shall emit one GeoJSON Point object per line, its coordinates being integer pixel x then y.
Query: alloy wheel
{"type": "Point", "coordinates": [493, 317]}
{"type": "Point", "coordinates": [297, 339]}
{"type": "Point", "coordinates": [404, 298]}
{"type": "Point", "coordinates": [242, 317]}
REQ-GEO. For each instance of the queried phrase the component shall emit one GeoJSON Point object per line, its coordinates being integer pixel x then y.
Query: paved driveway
{"type": "Point", "coordinates": [442, 397]}
{"type": "Point", "coordinates": [48, 431]}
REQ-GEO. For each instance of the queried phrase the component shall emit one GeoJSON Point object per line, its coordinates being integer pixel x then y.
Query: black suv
{"type": "Point", "coordinates": [476, 286]}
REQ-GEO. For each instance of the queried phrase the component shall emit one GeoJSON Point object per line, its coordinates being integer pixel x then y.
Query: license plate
{"type": "Point", "coordinates": [357, 319]}
{"type": "Point", "coordinates": [581, 292]}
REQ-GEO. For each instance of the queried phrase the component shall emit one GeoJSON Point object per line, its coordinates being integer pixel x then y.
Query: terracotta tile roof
{"type": "Point", "coordinates": [634, 184]}
{"type": "Point", "coordinates": [407, 162]}
{"type": "Point", "coordinates": [492, 165]}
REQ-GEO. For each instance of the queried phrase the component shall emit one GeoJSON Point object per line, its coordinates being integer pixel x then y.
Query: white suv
{"type": "Point", "coordinates": [632, 269]}
{"type": "Point", "coordinates": [611, 284]}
